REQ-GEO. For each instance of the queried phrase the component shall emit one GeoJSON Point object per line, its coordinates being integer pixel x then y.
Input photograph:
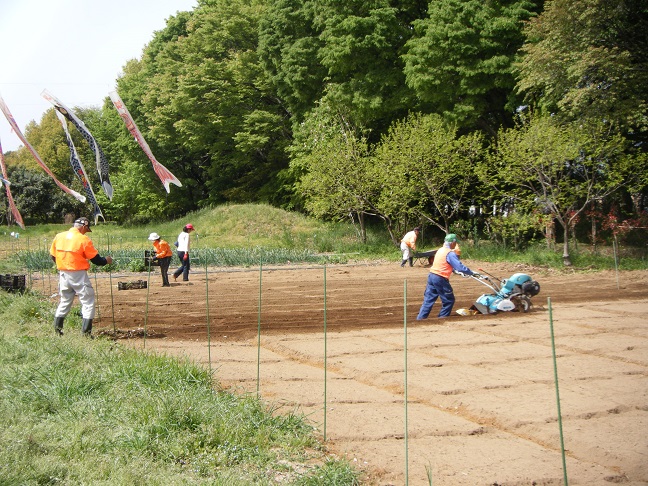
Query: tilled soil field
{"type": "Point", "coordinates": [459, 401]}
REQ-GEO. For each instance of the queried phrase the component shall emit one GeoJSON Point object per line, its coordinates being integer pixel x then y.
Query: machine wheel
{"type": "Point", "coordinates": [522, 303]}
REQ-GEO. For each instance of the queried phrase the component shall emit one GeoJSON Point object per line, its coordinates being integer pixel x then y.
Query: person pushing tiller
{"type": "Point", "coordinates": [438, 284]}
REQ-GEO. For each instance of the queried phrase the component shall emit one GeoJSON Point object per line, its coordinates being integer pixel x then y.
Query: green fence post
{"type": "Point", "coordinates": [148, 289]}
{"type": "Point", "coordinates": [553, 349]}
{"type": "Point", "coordinates": [208, 324]}
{"type": "Point", "coordinates": [259, 326]}
{"type": "Point", "coordinates": [325, 353]}
{"type": "Point", "coordinates": [405, 378]}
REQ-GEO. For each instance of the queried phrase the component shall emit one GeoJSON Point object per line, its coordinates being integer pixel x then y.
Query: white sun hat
{"type": "Point", "coordinates": [154, 236]}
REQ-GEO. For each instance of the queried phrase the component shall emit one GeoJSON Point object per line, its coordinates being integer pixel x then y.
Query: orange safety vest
{"type": "Point", "coordinates": [162, 249]}
{"type": "Point", "coordinates": [440, 265]}
{"type": "Point", "coordinates": [72, 250]}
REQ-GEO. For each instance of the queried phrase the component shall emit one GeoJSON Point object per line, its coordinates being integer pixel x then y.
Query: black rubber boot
{"type": "Point", "coordinates": [86, 328]}
{"type": "Point", "coordinates": [403, 263]}
{"type": "Point", "coordinates": [58, 325]}
{"type": "Point", "coordinates": [411, 261]}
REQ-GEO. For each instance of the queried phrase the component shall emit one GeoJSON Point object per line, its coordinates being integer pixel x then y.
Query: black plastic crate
{"type": "Point", "coordinates": [136, 284]}
{"type": "Point", "coordinates": [148, 257]}
{"type": "Point", "coordinates": [13, 282]}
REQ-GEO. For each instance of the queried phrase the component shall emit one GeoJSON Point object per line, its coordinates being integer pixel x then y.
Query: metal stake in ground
{"type": "Point", "coordinates": [259, 327]}
{"type": "Point", "coordinates": [325, 352]}
{"type": "Point", "coordinates": [208, 325]}
{"type": "Point", "coordinates": [553, 350]}
{"type": "Point", "coordinates": [98, 307]}
{"type": "Point", "coordinates": [405, 378]}
{"type": "Point", "coordinates": [148, 289]}
{"type": "Point", "coordinates": [112, 302]}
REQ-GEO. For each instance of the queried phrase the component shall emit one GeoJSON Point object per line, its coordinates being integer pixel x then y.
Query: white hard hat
{"type": "Point", "coordinates": [154, 236]}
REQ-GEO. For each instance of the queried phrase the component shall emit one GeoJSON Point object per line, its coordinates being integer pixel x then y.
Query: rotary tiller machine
{"type": "Point", "coordinates": [511, 294]}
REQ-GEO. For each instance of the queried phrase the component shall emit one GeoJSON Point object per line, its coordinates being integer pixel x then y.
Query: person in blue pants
{"type": "Point", "coordinates": [183, 245]}
{"type": "Point", "coordinates": [438, 283]}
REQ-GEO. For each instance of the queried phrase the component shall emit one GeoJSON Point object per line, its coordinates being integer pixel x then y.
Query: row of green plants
{"type": "Point", "coordinates": [537, 254]}
{"type": "Point", "coordinates": [75, 413]}
{"type": "Point", "coordinates": [135, 261]}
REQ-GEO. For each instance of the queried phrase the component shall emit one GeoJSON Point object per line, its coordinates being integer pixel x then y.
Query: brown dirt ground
{"type": "Point", "coordinates": [481, 396]}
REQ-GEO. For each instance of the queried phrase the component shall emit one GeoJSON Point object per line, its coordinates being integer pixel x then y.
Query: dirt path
{"type": "Point", "coordinates": [481, 399]}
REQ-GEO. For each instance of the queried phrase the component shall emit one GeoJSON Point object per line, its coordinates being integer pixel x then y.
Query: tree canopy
{"type": "Point", "coordinates": [379, 110]}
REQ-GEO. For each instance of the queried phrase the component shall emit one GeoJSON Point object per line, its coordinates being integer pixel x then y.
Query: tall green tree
{"type": "Point", "coordinates": [288, 49]}
{"type": "Point", "coordinates": [428, 170]}
{"type": "Point", "coordinates": [588, 60]}
{"type": "Point", "coordinates": [209, 107]}
{"type": "Point", "coordinates": [337, 178]}
{"type": "Point", "coordinates": [459, 61]}
{"type": "Point", "coordinates": [139, 195]}
{"type": "Point", "coordinates": [39, 199]}
{"type": "Point", "coordinates": [48, 138]}
{"type": "Point", "coordinates": [343, 54]}
{"type": "Point", "coordinates": [558, 168]}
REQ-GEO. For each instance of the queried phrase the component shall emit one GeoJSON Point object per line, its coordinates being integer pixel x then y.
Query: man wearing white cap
{"type": "Point", "coordinates": [163, 256]}
{"type": "Point", "coordinates": [71, 251]}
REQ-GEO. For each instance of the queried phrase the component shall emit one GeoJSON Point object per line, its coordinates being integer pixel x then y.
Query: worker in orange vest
{"type": "Point", "coordinates": [163, 256]}
{"type": "Point", "coordinates": [71, 251]}
{"type": "Point", "coordinates": [438, 283]}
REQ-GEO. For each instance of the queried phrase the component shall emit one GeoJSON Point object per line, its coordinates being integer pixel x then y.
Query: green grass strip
{"type": "Point", "coordinates": [76, 411]}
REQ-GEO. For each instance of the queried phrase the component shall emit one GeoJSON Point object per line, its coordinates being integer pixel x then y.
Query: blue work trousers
{"type": "Point", "coordinates": [437, 287]}
{"type": "Point", "coordinates": [184, 268]}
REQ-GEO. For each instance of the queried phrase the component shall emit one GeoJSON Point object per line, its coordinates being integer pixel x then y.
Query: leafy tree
{"type": "Point", "coordinates": [588, 60]}
{"type": "Point", "coordinates": [138, 193]}
{"type": "Point", "coordinates": [427, 171]}
{"type": "Point", "coordinates": [39, 199]}
{"type": "Point", "coordinates": [343, 54]}
{"type": "Point", "coordinates": [515, 227]}
{"type": "Point", "coordinates": [337, 177]}
{"type": "Point", "coordinates": [559, 168]}
{"type": "Point", "coordinates": [459, 61]}
{"type": "Point", "coordinates": [209, 106]}
{"type": "Point", "coordinates": [48, 139]}
{"type": "Point", "coordinates": [362, 43]}
{"type": "Point", "coordinates": [135, 200]}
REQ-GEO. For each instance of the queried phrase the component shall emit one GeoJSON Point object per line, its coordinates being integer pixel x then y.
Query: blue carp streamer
{"type": "Point", "coordinates": [79, 170]}
{"type": "Point", "coordinates": [102, 161]}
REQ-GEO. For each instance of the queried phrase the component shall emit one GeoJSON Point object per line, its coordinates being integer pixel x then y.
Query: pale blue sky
{"type": "Point", "coordinates": [74, 48]}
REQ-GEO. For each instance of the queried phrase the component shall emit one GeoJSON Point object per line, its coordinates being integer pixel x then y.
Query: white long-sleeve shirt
{"type": "Point", "coordinates": [183, 241]}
